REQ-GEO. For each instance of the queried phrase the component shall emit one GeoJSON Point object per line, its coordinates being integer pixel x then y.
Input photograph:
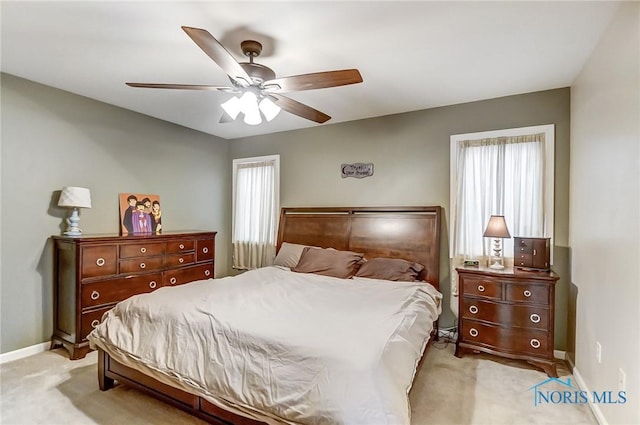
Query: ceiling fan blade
{"type": "Point", "coordinates": [299, 109]}
{"type": "Point", "coordinates": [181, 86]}
{"type": "Point", "coordinates": [218, 53]}
{"type": "Point", "coordinates": [317, 80]}
{"type": "Point", "coordinates": [224, 118]}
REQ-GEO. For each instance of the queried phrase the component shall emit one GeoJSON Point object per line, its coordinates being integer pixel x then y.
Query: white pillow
{"type": "Point", "coordinates": [289, 255]}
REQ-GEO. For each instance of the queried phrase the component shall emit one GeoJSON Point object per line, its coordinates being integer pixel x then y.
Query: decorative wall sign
{"type": "Point", "coordinates": [358, 170]}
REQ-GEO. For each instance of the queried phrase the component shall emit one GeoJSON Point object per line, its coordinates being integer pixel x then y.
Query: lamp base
{"type": "Point", "coordinates": [73, 221]}
{"type": "Point", "coordinates": [497, 255]}
{"type": "Point", "coordinates": [496, 266]}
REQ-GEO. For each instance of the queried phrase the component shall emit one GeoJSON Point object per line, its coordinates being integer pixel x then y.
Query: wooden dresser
{"type": "Point", "coordinates": [507, 313]}
{"type": "Point", "coordinates": [94, 272]}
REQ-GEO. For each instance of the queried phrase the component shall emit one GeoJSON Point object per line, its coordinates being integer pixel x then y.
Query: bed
{"type": "Point", "coordinates": [285, 345]}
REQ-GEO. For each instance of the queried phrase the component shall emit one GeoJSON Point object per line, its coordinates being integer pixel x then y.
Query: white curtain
{"type": "Point", "coordinates": [255, 215]}
{"type": "Point", "coordinates": [498, 176]}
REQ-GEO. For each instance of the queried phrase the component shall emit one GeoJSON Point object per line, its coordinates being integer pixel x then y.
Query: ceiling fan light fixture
{"type": "Point", "coordinates": [249, 106]}
{"type": "Point", "coordinates": [252, 118]}
{"type": "Point", "coordinates": [269, 109]}
{"type": "Point", "coordinates": [232, 107]}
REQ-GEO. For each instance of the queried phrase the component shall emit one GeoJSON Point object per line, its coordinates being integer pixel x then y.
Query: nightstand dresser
{"type": "Point", "coordinates": [94, 272]}
{"type": "Point", "coordinates": [509, 313]}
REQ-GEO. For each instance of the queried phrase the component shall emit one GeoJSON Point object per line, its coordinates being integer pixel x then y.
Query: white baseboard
{"type": "Point", "coordinates": [559, 354]}
{"type": "Point", "coordinates": [24, 352]}
{"type": "Point", "coordinates": [595, 409]}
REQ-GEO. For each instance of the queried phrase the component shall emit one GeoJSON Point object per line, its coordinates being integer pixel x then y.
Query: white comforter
{"type": "Point", "coordinates": [281, 346]}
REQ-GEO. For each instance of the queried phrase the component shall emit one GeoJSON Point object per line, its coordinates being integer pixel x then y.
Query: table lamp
{"type": "Point", "coordinates": [74, 197]}
{"type": "Point", "coordinates": [497, 229]}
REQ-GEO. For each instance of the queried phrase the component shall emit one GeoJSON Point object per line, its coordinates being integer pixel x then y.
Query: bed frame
{"type": "Point", "coordinates": [411, 233]}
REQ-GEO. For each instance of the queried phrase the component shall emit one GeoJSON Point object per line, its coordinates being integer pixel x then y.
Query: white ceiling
{"type": "Point", "coordinates": [412, 55]}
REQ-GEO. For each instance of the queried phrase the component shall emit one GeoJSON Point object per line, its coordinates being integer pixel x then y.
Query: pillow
{"type": "Point", "coordinates": [289, 255]}
{"type": "Point", "coordinates": [329, 262]}
{"type": "Point", "coordinates": [390, 269]}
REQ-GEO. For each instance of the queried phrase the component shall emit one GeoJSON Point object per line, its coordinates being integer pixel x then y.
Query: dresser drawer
{"type": "Point", "coordinates": [141, 250]}
{"type": "Point", "coordinates": [523, 260]}
{"type": "Point", "coordinates": [523, 245]}
{"type": "Point", "coordinates": [176, 247]}
{"type": "Point", "coordinates": [137, 265]}
{"type": "Point", "coordinates": [115, 290]}
{"type": "Point", "coordinates": [98, 260]}
{"type": "Point", "coordinates": [528, 293]}
{"type": "Point", "coordinates": [522, 316]}
{"type": "Point", "coordinates": [91, 319]}
{"type": "Point", "coordinates": [516, 341]}
{"type": "Point", "coordinates": [177, 260]}
{"type": "Point", "coordinates": [482, 287]}
{"type": "Point", "coordinates": [188, 274]}
{"type": "Point", "coordinates": [204, 249]}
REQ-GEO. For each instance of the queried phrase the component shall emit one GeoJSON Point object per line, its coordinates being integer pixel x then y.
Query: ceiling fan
{"type": "Point", "coordinates": [257, 84]}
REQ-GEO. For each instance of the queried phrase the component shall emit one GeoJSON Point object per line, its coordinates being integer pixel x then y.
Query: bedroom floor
{"type": "Point", "coordinates": [47, 388]}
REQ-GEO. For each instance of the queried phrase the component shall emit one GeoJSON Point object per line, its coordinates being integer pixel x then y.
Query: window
{"type": "Point", "coordinates": [506, 172]}
{"type": "Point", "coordinates": [256, 199]}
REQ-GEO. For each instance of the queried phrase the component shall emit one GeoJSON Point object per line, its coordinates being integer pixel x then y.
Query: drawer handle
{"type": "Point", "coordinates": [153, 284]}
{"type": "Point", "coordinates": [473, 332]}
{"type": "Point", "coordinates": [95, 323]}
{"type": "Point", "coordinates": [535, 343]}
{"type": "Point", "coordinates": [527, 293]}
{"type": "Point", "coordinates": [181, 246]}
{"type": "Point", "coordinates": [473, 309]}
{"type": "Point", "coordinates": [480, 288]}
{"type": "Point", "coordinates": [100, 262]}
{"type": "Point", "coordinates": [535, 318]}
{"type": "Point", "coordinates": [143, 250]}
{"type": "Point", "coordinates": [95, 295]}
{"type": "Point", "coordinates": [535, 252]}
{"type": "Point", "coordinates": [181, 260]}
{"type": "Point", "coordinates": [173, 280]}
{"type": "Point", "coordinates": [205, 249]}
{"type": "Point", "coordinates": [143, 265]}
{"type": "Point", "coordinates": [207, 272]}
{"type": "Point", "coordinates": [522, 249]}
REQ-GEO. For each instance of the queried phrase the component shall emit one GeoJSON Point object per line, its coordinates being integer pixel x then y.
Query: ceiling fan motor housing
{"type": "Point", "coordinates": [259, 73]}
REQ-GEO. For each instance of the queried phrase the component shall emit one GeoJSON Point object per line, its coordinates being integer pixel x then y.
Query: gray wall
{"type": "Point", "coordinates": [51, 139]}
{"type": "Point", "coordinates": [410, 153]}
{"type": "Point", "coordinates": [605, 216]}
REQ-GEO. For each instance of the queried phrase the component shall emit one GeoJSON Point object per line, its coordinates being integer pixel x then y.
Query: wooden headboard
{"type": "Point", "coordinates": [411, 233]}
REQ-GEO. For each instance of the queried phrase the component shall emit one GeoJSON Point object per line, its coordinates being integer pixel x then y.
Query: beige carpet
{"type": "Point", "coordinates": [48, 388]}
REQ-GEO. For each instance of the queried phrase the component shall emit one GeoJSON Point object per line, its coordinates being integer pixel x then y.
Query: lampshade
{"type": "Point", "coordinates": [497, 228]}
{"type": "Point", "coordinates": [249, 106]}
{"type": "Point", "coordinates": [269, 109]}
{"type": "Point", "coordinates": [75, 197]}
{"type": "Point", "coordinates": [232, 107]}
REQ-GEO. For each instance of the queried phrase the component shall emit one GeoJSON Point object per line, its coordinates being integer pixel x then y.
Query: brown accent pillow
{"type": "Point", "coordinates": [289, 255]}
{"type": "Point", "coordinates": [328, 262]}
{"type": "Point", "coordinates": [390, 269]}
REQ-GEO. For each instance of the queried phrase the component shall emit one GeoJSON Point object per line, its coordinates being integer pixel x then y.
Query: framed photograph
{"type": "Point", "coordinates": [140, 214]}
